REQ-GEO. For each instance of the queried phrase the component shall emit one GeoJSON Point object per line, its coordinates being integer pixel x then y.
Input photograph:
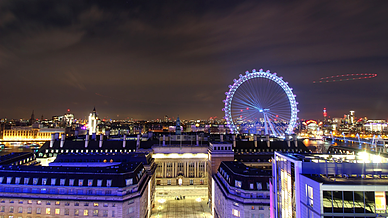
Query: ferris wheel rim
{"type": "Point", "coordinates": [260, 74]}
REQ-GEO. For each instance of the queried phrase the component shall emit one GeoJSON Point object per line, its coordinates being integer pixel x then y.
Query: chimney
{"type": "Point", "coordinates": [52, 140]}
{"type": "Point", "coordinates": [164, 140]}
{"type": "Point", "coordinates": [86, 140]}
{"type": "Point", "coordinates": [56, 136]}
{"type": "Point", "coordinates": [138, 142]}
{"type": "Point", "coordinates": [267, 139]}
{"type": "Point", "coordinates": [62, 140]}
{"type": "Point", "coordinates": [287, 138]}
{"type": "Point", "coordinates": [255, 138]}
{"type": "Point", "coordinates": [295, 140]}
{"type": "Point", "coordinates": [124, 140]}
{"type": "Point", "coordinates": [234, 140]}
{"type": "Point", "coordinates": [101, 140]}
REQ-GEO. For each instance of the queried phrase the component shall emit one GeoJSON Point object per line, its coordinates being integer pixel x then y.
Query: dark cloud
{"type": "Point", "coordinates": [145, 59]}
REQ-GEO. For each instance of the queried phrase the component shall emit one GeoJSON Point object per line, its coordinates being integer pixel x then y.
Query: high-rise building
{"type": "Point", "coordinates": [92, 124]}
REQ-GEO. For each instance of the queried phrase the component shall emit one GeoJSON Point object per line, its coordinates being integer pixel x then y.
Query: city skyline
{"type": "Point", "coordinates": [144, 60]}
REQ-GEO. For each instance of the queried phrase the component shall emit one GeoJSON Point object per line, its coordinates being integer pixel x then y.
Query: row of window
{"type": "Point", "coordinates": [67, 203]}
{"type": "Point", "coordinates": [57, 211]}
{"type": "Point", "coordinates": [57, 151]}
{"type": "Point", "coordinates": [61, 191]}
{"type": "Point", "coordinates": [62, 182]}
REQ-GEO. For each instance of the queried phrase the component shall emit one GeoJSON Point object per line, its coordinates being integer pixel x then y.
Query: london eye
{"type": "Point", "coordinates": [260, 102]}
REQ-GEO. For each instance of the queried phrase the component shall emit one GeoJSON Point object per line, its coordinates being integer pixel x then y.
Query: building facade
{"type": "Point", "coordinates": [107, 189]}
{"type": "Point", "coordinates": [241, 191]}
{"type": "Point", "coordinates": [329, 185]}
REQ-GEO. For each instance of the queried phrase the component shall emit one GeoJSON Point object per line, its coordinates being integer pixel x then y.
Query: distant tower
{"type": "Point", "coordinates": [32, 119]}
{"type": "Point", "coordinates": [324, 114]}
{"type": "Point", "coordinates": [178, 126]}
{"type": "Point", "coordinates": [352, 117]}
{"type": "Point", "coordinates": [93, 118]}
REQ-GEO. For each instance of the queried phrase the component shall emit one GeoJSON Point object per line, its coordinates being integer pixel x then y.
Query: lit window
{"type": "Point", "coordinates": [95, 212]}
{"type": "Point", "coordinates": [76, 212]}
{"type": "Point", "coordinates": [235, 204]}
{"type": "Point", "coordinates": [236, 213]}
{"type": "Point", "coordinates": [380, 201]}
{"type": "Point", "coordinates": [29, 202]}
{"type": "Point", "coordinates": [237, 183]}
{"type": "Point", "coordinates": [48, 211]}
{"type": "Point", "coordinates": [310, 195]}
{"type": "Point", "coordinates": [95, 204]}
{"type": "Point", "coordinates": [90, 182]}
{"type": "Point", "coordinates": [57, 211]}
{"type": "Point", "coordinates": [86, 212]}
{"type": "Point", "coordinates": [80, 182]}
{"type": "Point", "coordinates": [38, 202]}
{"type": "Point", "coordinates": [129, 181]}
{"type": "Point", "coordinates": [57, 203]}
{"type": "Point", "coordinates": [253, 207]}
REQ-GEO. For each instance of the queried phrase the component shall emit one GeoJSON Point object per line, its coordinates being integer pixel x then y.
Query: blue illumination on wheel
{"type": "Point", "coordinates": [260, 102]}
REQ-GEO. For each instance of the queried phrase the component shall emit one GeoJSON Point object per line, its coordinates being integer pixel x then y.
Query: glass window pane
{"type": "Point", "coordinates": [348, 202]}
{"type": "Point", "coordinates": [327, 202]}
{"type": "Point", "coordinates": [337, 202]}
{"type": "Point", "coordinates": [359, 202]}
{"type": "Point", "coordinates": [369, 202]}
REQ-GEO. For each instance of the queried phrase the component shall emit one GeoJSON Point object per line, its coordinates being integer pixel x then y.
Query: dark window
{"type": "Point", "coordinates": [337, 202]}
{"type": "Point", "coordinates": [327, 201]}
{"type": "Point", "coordinates": [369, 202]}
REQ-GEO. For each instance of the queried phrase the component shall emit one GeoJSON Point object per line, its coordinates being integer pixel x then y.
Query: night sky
{"type": "Point", "coordinates": [146, 59]}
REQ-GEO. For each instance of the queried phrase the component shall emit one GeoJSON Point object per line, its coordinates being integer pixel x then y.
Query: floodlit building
{"type": "Point", "coordinates": [78, 185]}
{"type": "Point", "coordinates": [241, 191]}
{"type": "Point", "coordinates": [329, 185]}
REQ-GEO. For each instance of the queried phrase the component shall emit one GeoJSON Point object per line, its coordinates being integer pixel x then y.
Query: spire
{"type": "Point", "coordinates": [32, 118]}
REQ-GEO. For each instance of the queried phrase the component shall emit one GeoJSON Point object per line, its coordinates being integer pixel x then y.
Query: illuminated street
{"type": "Point", "coordinates": [192, 205]}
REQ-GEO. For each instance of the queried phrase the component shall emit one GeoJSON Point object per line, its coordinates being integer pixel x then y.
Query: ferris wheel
{"type": "Point", "coordinates": [260, 102]}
